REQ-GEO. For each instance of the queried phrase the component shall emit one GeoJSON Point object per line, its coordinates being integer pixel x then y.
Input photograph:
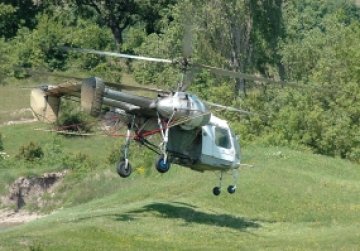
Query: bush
{"type": "Point", "coordinates": [30, 152]}
{"type": "Point", "coordinates": [72, 119]}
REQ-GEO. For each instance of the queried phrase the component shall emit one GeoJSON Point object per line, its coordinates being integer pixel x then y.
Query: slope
{"type": "Point", "coordinates": [289, 200]}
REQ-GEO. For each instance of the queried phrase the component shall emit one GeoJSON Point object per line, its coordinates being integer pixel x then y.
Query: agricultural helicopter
{"type": "Point", "coordinates": [191, 135]}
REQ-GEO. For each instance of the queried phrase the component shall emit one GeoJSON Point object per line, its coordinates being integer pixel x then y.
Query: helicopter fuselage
{"type": "Point", "coordinates": [211, 147]}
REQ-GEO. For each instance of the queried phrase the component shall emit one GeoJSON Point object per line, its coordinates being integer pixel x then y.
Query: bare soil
{"type": "Point", "coordinates": [23, 191]}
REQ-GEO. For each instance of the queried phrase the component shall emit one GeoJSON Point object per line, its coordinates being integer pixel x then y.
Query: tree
{"type": "Point", "coordinates": [121, 14]}
{"type": "Point", "coordinates": [17, 14]}
{"type": "Point", "coordinates": [249, 32]}
{"type": "Point", "coordinates": [8, 24]}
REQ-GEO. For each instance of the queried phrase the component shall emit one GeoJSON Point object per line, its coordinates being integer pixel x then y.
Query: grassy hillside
{"type": "Point", "coordinates": [289, 200]}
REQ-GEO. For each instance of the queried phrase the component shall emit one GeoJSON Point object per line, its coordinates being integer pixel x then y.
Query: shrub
{"type": "Point", "coordinates": [72, 119]}
{"type": "Point", "coordinates": [30, 152]}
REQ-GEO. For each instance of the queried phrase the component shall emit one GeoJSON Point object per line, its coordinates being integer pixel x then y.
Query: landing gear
{"type": "Point", "coordinates": [235, 174]}
{"type": "Point", "coordinates": [162, 165]}
{"type": "Point", "coordinates": [231, 189]}
{"type": "Point", "coordinates": [163, 162]}
{"type": "Point", "coordinates": [217, 190]}
{"type": "Point", "coordinates": [124, 169]}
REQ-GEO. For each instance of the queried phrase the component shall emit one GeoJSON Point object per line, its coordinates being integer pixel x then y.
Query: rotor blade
{"type": "Point", "coordinates": [135, 88]}
{"type": "Point", "coordinates": [187, 39]}
{"type": "Point", "coordinates": [188, 20]}
{"type": "Point", "coordinates": [110, 84]}
{"type": "Point", "coordinates": [228, 108]}
{"type": "Point", "coordinates": [187, 44]}
{"type": "Point", "coordinates": [187, 79]}
{"type": "Point", "coordinates": [119, 55]}
{"type": "Point", "coordinates": [55, 74]}
{"type": "Point", "coordinates": [235, 74]}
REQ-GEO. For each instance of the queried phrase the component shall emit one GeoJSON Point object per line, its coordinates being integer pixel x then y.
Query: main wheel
{"type": "Point", "coordinates": [216, 191]}
{"type": "Point", "coordinates": [161, 165]}
{"type": "Point", "coordinates": [231, 189]}
{"type": "Point", "coordinates": [123, 170]}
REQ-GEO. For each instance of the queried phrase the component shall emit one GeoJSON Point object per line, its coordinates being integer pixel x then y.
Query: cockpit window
{"type": "Point", "coordinates": [222, 138]}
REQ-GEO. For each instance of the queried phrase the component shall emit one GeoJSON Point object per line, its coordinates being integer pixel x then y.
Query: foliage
{"type": "Point", "coordinates": [42, 47]}
{"type": "Point", "coordinates": [8, 24]}
{"type": "Point", "coordinates": [5, 69]}
{"type": "Point", "coordinates": [120, 15]}
{"type": "Point", "coordinates": [312, 42]}
{"type": "Point", "coordinates": [17, 14]}
{"type": "Point", "coordinates": [30, 152]}
{"type": "Point", "coordinates": [78, 162]}
{"type": "Point", "coordinates": [71, 118]}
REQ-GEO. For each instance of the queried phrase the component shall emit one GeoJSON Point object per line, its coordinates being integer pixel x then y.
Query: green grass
{"type": "Point", "coordinates": [13, 102]}
{"type": "Point", "coordinates": [289, 200]}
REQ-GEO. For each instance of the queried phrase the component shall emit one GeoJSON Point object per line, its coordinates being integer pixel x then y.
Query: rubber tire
{"type": "Point", "coordinates": [231, 189]}
{"type": "Point", "coordinates": [122, 170]}
{"type": "Point", "coordinates": [161, 167]}
{"type": "Point", "coordinates": [216, 191]}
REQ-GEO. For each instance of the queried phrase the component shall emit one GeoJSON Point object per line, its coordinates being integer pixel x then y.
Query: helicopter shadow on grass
{"type": "Point", "coordinates": [190, 214]}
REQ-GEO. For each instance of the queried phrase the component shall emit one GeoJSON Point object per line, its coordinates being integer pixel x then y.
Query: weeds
{"type": "Point", "coordinates": [30, 152]}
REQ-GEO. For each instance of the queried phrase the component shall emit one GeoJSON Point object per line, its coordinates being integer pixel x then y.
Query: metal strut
{"type": "Point", "coordinates": [235, 175]}
{"type": "Point", "coordinates": [165, 136]}
{"type": "Point", "coordinates": [127, 142]}
{"type": "Point", "coordinates": [221, 178]}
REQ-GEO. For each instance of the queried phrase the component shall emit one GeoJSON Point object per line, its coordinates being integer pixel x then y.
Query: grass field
{"type": "Point", "coordinates": [14, 107]}
{"type": "Point", "coordinates": [289, 200]}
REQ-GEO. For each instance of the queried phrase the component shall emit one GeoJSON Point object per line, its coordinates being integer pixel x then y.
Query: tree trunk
{"type": "Point", "coordinates": [117, 33]}
{"type": "Point", "coordinates": [240, 36]}
{"type": "Point", "coordinates": [281, 69]}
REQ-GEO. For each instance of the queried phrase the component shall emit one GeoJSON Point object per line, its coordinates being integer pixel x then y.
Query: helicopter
{"type": "Point", "coordinates": [191, 135]}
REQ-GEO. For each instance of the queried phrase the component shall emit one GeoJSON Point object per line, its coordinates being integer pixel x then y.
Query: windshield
{"type": "Point", "coordinates": [222, 138]}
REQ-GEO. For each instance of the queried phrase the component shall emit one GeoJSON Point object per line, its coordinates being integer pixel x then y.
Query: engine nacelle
{"type": "Point", "coordinates": [185, 108]}
{"type": "Point", "coordinates": [92, 90]}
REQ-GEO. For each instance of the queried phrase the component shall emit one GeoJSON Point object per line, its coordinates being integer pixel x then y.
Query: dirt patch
{"type": "Point", "coordinates": [29, 190]}
{"type": "Point", "coordinates": [17, 122]}
{"type": "Point", "coordinates": [10, 218]}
